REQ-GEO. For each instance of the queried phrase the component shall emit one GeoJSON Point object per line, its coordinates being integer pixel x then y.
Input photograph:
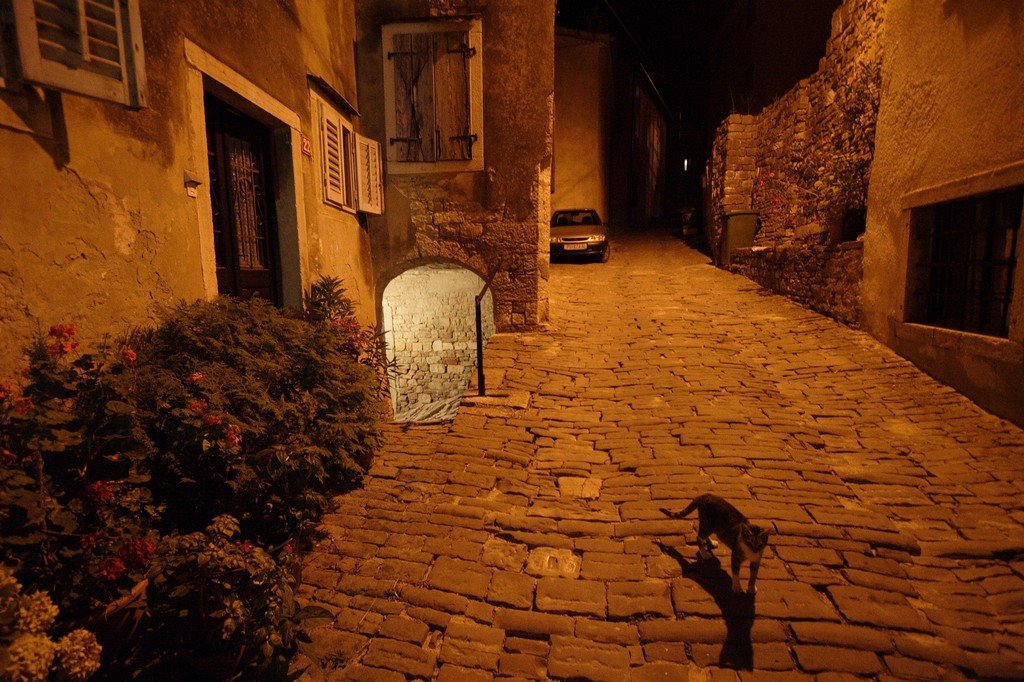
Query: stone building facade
{"type": "Point", "coordinates": [584, 121]}
{"type": "Point", "coordinates": [117, 171]}
{"type": "Point", "coordinates": [944, 251]}
{"type": "Point", "coordinates": [803, 164]}
{"type": "Point", "coordinates": [486, 205]}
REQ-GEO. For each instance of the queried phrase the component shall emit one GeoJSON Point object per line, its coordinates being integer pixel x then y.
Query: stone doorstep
{"type": "Point", "coordinates": [519, 400]}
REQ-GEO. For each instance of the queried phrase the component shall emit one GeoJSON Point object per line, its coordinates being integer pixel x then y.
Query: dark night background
{"type": "Point", "coordinates": [709, 58]}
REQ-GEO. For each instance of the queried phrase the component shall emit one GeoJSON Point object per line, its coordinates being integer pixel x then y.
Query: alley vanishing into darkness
{"type": "Point", "coordinates": [524, 540]}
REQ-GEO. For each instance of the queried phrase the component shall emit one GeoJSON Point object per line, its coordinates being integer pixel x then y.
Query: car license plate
{"type": "Point", "coordinates": [575, 247]}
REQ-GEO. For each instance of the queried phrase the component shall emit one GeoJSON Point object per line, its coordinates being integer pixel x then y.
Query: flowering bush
{"type": "Point", "coordinates": [327, 305]}
{"type": "Point", "coordinates": [115, 463]}
{"type": "Point", "coordinates": [27, 652]}
{"type": "Point", "coordinates": [254, 414]}
{"type": "Point", "coordinates": [73, 474]}
{"type": "Point", "coordinates": [214, 597]}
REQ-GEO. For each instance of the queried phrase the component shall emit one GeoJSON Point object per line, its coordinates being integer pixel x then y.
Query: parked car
{"type": "Point", "coordinates": [579, 232]}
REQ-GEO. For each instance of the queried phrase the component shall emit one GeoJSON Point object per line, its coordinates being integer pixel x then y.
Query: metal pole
{"type": "Point", "coordinates": [480, 387]}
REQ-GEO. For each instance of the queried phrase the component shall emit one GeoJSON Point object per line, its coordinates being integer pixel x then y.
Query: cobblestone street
{"type": "Point", "coordinates": [524, 540]}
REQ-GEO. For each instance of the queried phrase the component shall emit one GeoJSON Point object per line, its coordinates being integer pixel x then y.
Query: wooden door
{"type": "Point", "coordinates": [242, 194]}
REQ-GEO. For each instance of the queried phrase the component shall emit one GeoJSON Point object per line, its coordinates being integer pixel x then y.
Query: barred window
{"type": "Point", "coordinates": [963, 259]}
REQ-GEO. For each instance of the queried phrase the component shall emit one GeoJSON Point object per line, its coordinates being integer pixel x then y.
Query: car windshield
{"type": "Point", "coordinates": [580, 217]}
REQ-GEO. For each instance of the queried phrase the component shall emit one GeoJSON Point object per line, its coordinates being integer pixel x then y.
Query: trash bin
{"type": "Point", "coordinates": [738, 230]}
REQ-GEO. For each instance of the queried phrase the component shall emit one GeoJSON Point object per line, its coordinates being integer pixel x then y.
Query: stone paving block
{"type": "Point", "coordinates": [331, 644]}
{"type": "Point", "coordinates": [434, 599]}
{"type": "Point", "coordinates": [841, 634]}
{"type": "Point", "coordinates": [532, 622]}
{"type": "Point", "coordinates": [704, 630]}
{"type": "Point", "coordinates": [627, 599]}
{"type": "Point", "coordinates": [662, 672]}
{"type": "Point", "coordinates": [522, 645]}
{"type": "Point", "coordinates": [455, 673]}
{"type": "Point", "coordinates": [905, 668]}
{"type": "Point", "coordinates": [674, 652]}
{"type": "Point", "coordinates": [608, 632]}
{"type": "Point", "coordinates": [786, 599]}
{"type": "Point", "coordinates": [814, 658]}
{"type": "Point", "coordinates": [578, 658]}
{"type": "Point", "coordinates": [691, 599]}
{"type": "Point", "coordinates": [817, 556]}
{"type": "Point", "coordinates": [503, 554]}
{"type": "Point", "coordinates": [562, 595]}
{"type": "Point", "coordinates": [877, 608]}
{"type": "Point", "coordinates": [402, 657]}
{"type": "Point", "coordinates": [406, 629]}
{"type": "Point", "coordinates": [462, 577]}
{"type": "Point", "coordinates": [511, 589]}
{"type": "Point", "coordinates": [362, 673]}
{"type": "Point", "coordinates": [523, 666]}
{"type": "Point", "coordinates": [555, 562]}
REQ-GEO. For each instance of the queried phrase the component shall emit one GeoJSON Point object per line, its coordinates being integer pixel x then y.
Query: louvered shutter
{"type": "Point", "coordinates": [89, 47]}
{"type": "Point", "coordinates": [414, 97]}
{"type": "Point", "coordinates": [369, 178]}
{"type": "Point", "coordinates": [454, 138]}
{"type": "Point", "coordinates": [332, 164]}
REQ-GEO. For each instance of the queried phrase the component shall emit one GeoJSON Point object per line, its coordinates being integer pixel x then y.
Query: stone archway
{"type": "Point", "coordinates": [429, 323]}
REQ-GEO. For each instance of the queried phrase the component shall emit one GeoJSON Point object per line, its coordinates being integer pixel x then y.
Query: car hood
{"type": "Point", "coordinates": [578, 230]}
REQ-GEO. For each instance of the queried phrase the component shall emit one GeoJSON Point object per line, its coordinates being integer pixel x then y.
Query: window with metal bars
{"type": "Point", "coordinates": [89, 47]}
{"type": "Point", "coordinates": [963, 261]}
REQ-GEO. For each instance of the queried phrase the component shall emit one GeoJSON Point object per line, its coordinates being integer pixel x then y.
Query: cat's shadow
{"type": "Point", "coordinates": [737, 607]}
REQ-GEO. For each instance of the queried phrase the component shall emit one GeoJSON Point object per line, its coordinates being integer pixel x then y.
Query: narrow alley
{"type": "Point", "coordinates": [524, 540]}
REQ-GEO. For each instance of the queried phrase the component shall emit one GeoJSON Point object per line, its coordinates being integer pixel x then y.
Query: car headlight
{"type": "Point", "coordinates": [597, 237]}
{"type": "Point", "coordinates": [556, 240]}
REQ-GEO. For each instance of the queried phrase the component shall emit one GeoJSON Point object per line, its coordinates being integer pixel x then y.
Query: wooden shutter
{"type": "Point", "coordinates": [331, 155]}
{"type": "Point", "coordinates": [348, 147]}
{"type": "Point", "coordinates": [369, 178]}
{"type": "Point", "coordinates": [454, 138]}
{"type": "Point", "coordinates": [414, 97]}
{"type": "Point", "coordinates": [89, 47]}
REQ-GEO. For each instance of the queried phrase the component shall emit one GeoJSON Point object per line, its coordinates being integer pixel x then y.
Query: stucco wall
{"type": "Point", "coordinates": [583, 113]}
{"type": "Point", "coordinates": [95, 224]}
{"type": "Point", "coordinates": [951, 124]}
{"type": "Point", "coordinates": [495, 219]}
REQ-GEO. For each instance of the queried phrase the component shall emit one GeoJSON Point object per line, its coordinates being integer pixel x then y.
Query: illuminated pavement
{"type": "Point", "coordinates": [524, 540]}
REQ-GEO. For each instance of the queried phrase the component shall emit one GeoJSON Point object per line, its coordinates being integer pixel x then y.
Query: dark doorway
{"type": "Point", "coordinates": [242, 195]}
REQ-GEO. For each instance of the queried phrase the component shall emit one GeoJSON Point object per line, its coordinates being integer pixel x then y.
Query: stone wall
{"type": "Point", "coordinates": [803, 163]}
{"type": "Point", "coordinates": [490, 220]}
{"type": "Point", "coordinates": [730, 174]}
{"type": "Point", "coordinates": [430, 328]}
{"type": "Point", "coordinates": [822, 277]}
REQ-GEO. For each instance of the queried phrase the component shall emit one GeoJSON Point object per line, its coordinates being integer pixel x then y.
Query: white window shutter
{"type": "Point", "coordinates": [89, 47]}
{"type": "Point", "coordinates": [369, 178]}
{"type": "Point", "coordinates": [331, 156]}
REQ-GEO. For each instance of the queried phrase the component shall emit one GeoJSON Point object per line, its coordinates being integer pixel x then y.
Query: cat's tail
{"type": "Point", "coordinates": [681, 514]}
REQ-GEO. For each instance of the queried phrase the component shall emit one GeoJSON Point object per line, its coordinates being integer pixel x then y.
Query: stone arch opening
{"type": "Point", "coordinates": [429, 322]}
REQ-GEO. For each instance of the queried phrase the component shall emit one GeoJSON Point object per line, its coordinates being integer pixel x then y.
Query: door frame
{"type": "Point", "coordinates": [208, 75]}
{"type": "Point", "coordinates": [233, 122]}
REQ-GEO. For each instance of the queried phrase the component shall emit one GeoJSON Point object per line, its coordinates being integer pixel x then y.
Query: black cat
{"type": "Point", "coordinates": [746, 540]}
